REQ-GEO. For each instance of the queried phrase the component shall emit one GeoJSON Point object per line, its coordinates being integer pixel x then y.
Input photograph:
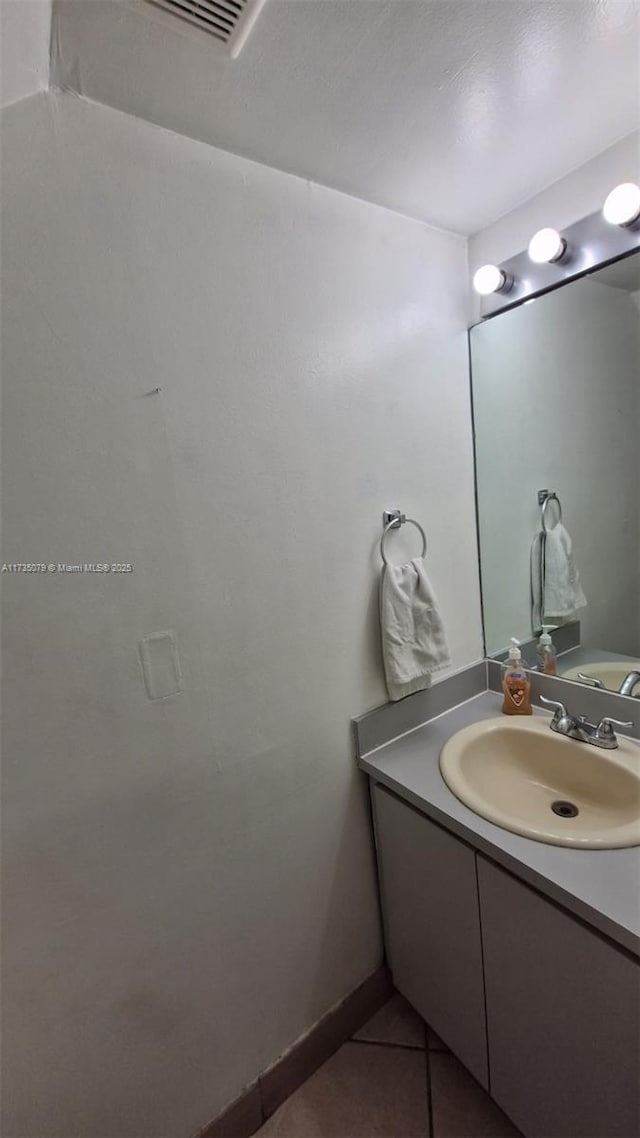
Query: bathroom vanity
{"type": "Point", "coordinates": [523, 956]}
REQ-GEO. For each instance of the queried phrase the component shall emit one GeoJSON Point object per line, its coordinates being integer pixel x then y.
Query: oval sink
{"type": "Point", "coordinates": [610, 672]}
{"type": "Point", "coordinates": [532, 781]}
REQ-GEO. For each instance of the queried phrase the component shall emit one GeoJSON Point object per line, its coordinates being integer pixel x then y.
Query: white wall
{"type": "Point", "coordinates": [556, 398]}
{"type": "Point", "coordinates": [25, 30]}
{"type": "Point", "coordinates": [189, 884]}
{"type": "Point", "coordinates": [635, 296]}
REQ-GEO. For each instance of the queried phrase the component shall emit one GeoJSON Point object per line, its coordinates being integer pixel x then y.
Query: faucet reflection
{"type": "Point", "coordinates": [630, 682]}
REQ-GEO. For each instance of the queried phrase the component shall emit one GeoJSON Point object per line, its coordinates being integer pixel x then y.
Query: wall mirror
{"type": "Point", "coordinates": [556, 404]}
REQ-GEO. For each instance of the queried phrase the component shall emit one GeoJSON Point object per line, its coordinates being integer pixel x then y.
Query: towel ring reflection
{"type": "Point", "coordinates": [549, 496]}
{"type": "Point", "coordinates": [395, 523]}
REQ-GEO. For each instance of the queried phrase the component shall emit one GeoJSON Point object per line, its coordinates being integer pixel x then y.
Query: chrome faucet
{"type": "Point", "coordinates": [626, 687]}
{"type": "Point", "coordinates": [629, 683]}
{"type": "Point", "coordinates": [577, 727]}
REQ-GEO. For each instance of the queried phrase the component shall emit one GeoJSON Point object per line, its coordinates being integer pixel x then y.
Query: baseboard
{"type": "Point", "coordinates": [247, 1114]}
{"type": "Point", "coordinates": [239, 1120]}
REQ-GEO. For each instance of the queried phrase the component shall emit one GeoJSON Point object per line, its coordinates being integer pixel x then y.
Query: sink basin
{"type": "Point", "coordinates": [530, 780]}
{"type": "Point", "coordinates": [611, 672]}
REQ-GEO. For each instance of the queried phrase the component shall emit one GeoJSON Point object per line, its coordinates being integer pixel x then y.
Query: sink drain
{"type": "Point", "coordinates": [564, 809]}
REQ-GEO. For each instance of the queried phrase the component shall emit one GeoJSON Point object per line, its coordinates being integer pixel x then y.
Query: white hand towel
{"type": "Point", "coordinates": [414, 644]}
{"type": "Point", "coordinates": [537, 573]}
{"type": "Point", "coordinates": [563, 594]}
{"type": "Point", "coordinates": [555, 577]}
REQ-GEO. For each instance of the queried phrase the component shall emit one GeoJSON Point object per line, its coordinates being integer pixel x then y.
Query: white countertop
{"type": "Point", "coordinates": [600, 886]}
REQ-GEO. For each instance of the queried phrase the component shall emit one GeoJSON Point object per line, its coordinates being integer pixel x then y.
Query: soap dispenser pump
{"type": "Point", "coordinates": [515, 684]}
{"type": "Point", "coordinates": [547, 659]}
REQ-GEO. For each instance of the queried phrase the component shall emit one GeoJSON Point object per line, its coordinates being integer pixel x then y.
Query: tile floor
{"type": "Point", "coordinates": [394, 1079]}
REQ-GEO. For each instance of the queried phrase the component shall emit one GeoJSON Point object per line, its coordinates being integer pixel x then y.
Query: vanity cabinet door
{"type": "Point", "coordinates": [563, 1016]}
{"type": "Point", "coordinates": [432, 929]}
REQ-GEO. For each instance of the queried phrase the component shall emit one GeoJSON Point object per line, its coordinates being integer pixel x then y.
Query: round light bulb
{"type": "Point", "coordinates": [546, 245]}
{"type": "Point", "coordinates": [488, 279]}
{"type": "Point", "coordinates": [622, 206]}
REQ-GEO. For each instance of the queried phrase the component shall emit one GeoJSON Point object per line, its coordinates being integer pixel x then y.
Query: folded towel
{"type": "Point", "coordinates": [556, 591]}
{"type": "Point", "coordinates": [414, 645]}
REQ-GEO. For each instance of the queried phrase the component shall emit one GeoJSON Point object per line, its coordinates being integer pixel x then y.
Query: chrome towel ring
{"type": "Point", "coordinates": [393, 519]}
{"type": "Point", "coordinates": [544, 497]}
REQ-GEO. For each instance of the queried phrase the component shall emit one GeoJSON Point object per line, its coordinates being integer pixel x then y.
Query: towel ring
{"type": "Point", "coordinates": [550, 498]}
{"type": "Point", "coordinates": [394, 525]}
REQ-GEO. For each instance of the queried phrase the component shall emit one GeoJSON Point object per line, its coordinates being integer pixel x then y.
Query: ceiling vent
{"type": "Point", "coordinates": [228, 21]}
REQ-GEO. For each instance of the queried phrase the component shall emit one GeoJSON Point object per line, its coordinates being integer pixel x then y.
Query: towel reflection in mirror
{"type": "Point", "coordinates": [556, 592]}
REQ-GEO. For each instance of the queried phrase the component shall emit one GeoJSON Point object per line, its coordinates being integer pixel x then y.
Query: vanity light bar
{"type": "Point", "coordinates": [553, 257]}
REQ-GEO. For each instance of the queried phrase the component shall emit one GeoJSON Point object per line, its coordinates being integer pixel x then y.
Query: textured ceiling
{"type": "Point", "coordinates": [452, 111]}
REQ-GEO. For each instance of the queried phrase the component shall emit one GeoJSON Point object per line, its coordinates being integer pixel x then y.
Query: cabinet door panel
{"type": "Point", "coordinates": [430, 903]}
{"type": "Point", "coordinates": [563, 1016]}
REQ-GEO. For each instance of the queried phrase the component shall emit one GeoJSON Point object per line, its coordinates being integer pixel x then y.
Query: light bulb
{"type": "Point", "coordinates": [546, 245]}
{"type": "Point", "coordinates": [622, 206]}
{"type": "Point", "coordinates": [488, 279]}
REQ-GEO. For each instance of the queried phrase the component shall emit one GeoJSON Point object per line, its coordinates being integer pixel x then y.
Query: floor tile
{"type": "Point", "coordinates": [396, 1022]}
{"type": "Point", "coordinates": [434, 1042]}
{"type": "Point", "coordinates": [461, 1108]}
{"type": "Point", "coordinates": [361, 1092]}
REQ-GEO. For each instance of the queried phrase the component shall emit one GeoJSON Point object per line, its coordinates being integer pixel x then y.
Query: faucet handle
{"type": "Point", "coordinates": [605, 727]}
{"type": "Point", "coordinates": [560, 709]}
{"type": "Point", "coordinates": [590, 680]}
